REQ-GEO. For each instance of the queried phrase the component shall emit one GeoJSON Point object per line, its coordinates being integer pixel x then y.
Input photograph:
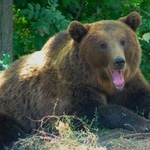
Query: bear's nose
{"type": "Point", "coordinates": [119, 62]}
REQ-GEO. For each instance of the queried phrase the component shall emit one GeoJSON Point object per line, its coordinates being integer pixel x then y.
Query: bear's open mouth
{"type": "Point", "coordinates": [118, 79]}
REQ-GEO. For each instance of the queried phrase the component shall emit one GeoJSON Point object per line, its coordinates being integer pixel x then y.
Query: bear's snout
{"type": "Point", "coordinates": [119, 62]}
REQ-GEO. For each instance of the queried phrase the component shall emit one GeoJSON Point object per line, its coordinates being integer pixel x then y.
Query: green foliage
{"type": "Point", "coordinates": [145, 64]}
{"type": "Point", "coordinates": [4, 62]}
{"type": "Point", "coordinates": [37, 20]}
{"type": "Point", "coordinates": [34, 24]}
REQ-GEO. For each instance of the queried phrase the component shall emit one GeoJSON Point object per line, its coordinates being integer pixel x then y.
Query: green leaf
{"type": "Point", "coordinates": [30, 14]}
{"type": "Point", "coordinates": [53, 8]}
{"type": "Point", "coordinates": [49, 2]}
{"type": "Point", "coordinates": [146, 36]}
{"type": "Point", "coordinates": [49, 17]}
{"type": "Point", "coordinates": [30, 6]}
{"type": "Point", "coordinates": [64, 24]}
{"type": "Point", "coordinates": [98, 10]}
{"type": "Point", "coordinates": [36, 15]}
{"type": "Point", "coordinates": [24, 12]}
{"type": "Point", "coordinates": [37, 7]}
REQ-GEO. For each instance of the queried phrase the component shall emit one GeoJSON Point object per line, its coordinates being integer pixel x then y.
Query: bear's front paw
{"type": "Point", "coordinates": [141, 127]}
{"type": "Point", "coordinates": [147, 112]}
{"type": "Point", "coordinates": [145, 127]}
{"type": "Point", "coordinates": [148, 116]}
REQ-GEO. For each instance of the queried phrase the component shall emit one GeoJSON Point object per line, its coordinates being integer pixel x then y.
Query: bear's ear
{"type": "Point", "coordinates": [77, 31]}
{"type": "Point", "coordinates": [133, 20]}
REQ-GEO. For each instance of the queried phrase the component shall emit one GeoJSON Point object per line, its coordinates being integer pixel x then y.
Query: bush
{"type": "Point", "coordinates": [34, 24]}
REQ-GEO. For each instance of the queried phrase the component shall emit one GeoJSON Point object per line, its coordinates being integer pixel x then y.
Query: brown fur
{"type": "Point", "coordinates": [72, 70]}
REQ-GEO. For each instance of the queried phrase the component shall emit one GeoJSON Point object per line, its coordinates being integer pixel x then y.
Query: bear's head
{"type": "Point", "coordinates": [110, 48]}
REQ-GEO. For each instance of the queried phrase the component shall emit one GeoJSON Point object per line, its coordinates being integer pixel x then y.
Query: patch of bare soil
{"type": "Point", "coordinates": [120, 139]}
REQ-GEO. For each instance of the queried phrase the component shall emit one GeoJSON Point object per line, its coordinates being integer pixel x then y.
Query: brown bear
{"type": "Point", "coordinates": [86, 67]}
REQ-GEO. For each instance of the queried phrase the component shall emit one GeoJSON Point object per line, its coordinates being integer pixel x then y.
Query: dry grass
{"type": "Point", "coordinates": [67, 140]}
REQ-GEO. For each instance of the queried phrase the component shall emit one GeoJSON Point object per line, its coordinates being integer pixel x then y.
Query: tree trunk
{"type": "Point", "coordinates": [6, 27]}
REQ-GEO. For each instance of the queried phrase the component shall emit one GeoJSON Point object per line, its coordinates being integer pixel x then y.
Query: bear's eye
{"type": "Point", "coordinates": [103, 45]}
{"type": "Point", "coordinates": [122, 42]}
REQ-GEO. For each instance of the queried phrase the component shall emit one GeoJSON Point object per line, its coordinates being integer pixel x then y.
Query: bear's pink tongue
{"type": "Point", "coordinates": [118, 79]}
